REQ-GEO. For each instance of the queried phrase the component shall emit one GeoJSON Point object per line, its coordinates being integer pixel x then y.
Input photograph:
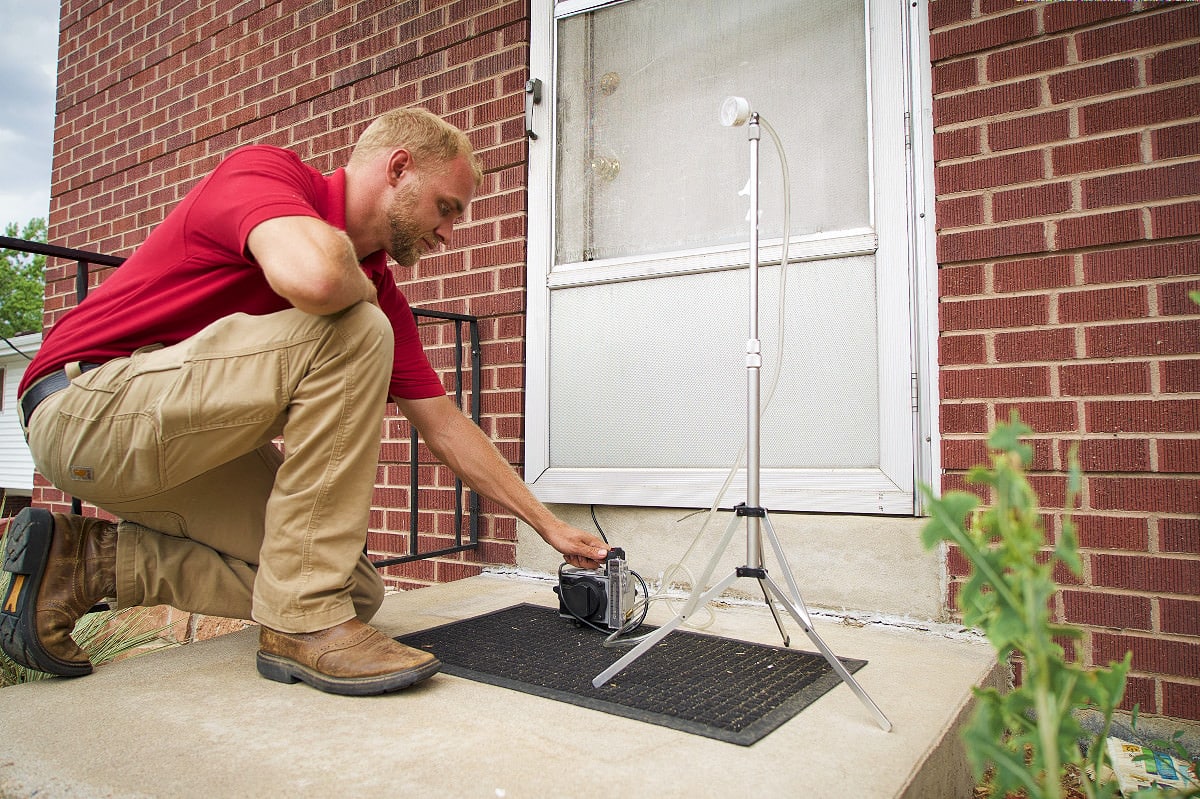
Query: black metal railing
{"type": "Point", "coordinates": [84, 259]}
{"type": "Point", "coordinates": [472, 325]}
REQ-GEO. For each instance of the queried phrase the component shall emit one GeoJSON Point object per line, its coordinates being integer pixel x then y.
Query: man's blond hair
{"type": "Point", "coordinates": [429, 138]}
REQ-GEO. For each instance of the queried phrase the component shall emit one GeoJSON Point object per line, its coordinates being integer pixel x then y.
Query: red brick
{"type": "Point", "coordinates": [1142, 262]}
{"type": "Point", "coordinates": [1153, 494]}
{"type": "Point", "coordinates": [1175, 298]}
{"type": "Point", "coordinates": [963, 417]}
{"type": "Point", "coordinates": [1174, 221]}
{"type": "Point", "coordinates": [1008, 134]}
{"type": "Point", "coordinates": [956, 143]}
{"type": "Point", "coordinates": [1096, 154]}
{"type": "Point", "coordinates": [1098, 229]}
{"type": "Point", "coordinates": [1035, 345]}
{"type": "Point", "coordinates": [957, 281]}
{"type": "Point", "coordinates": [1113, 455]}
{"type": "Point", "coordinates": [963, 453]}
{"type": "Point", "coordinates": [1179, 63]}
{"type": "Point", "coordinates": [1106, 78]}
{"type": "Point", "coordinates": [1180, 616]}
{"type": "Point", "coordinates": [955, 76]}
{"type": "Point", "coordinates": [1099, 379]}
{"type": "Point", "coordinates": [1111, 532]}
{"type": "Point", "coordinates": [1031, 201]}
{"type": "Point", "coordinates": [1124, 302]}
{"type": "Point", "coordinates": [957, 564]}
{"type": "Point", "coordinates": [1140, 692]}
{"type": "Point", "coordinates": [1178, 377]}
{"type": "Point", "coordinates": [960, 212]}
{"type": "Point", "coordinates": [1143, 416]}
{"type": "Point", "coordinates": [1043, 417]}
{"type": "Point", "coordinates": [1030, 274]}
{"type": "Point", "coordinates": [1017, 62]}
{"type": "Point", "coordinates": [1143, 185]}
{"type": "Point", "coordinates": [996, 242]}
{"type": "Point", "coordinates": [1180, 535]}
{"type": "Point", "coordinates": [1051, 490]}
{"type": "Point", "coordinates": [986, 102]}
{"type": "Point", "coordinates": [1107, 610]}
{"type": "Point", "coordinates": [983, 35]}
{"type": "Point", "coordinates": [970, 349]}
{"type": "Point", "coordinates": [948, 12]}
{"type": "Point", "coordinates": [1181, 700]}
{"type": "Point", "coordinates": [1175, 142]}
{"type": "Point", "coordinates": [1147, 573]}
{"type": "Point", "coordinates": [1146, 338]}
{"type": "Point", "coordinates": [1058, 17]}
{"type": "Point", "coordinates": [995, 312]}
{"type": "Point", "coordinates": [1139, 110]}
{"type": "Point", "coordinates": [983, 383]}
{"type": "Point", "coordinates": [1150, 655]}
{"type": "Point", "coordinates": [985, 173]}
{"type": "Point", "coordinates": [1140, 32]}
{"type": "Point", "coordinates": [1179, 455]}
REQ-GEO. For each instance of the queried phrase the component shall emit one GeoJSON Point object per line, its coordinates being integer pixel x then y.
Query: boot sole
{"type": "Point", "coordinates": [289, 671]}
{"type": "Point", "coordinates": [25, 557]}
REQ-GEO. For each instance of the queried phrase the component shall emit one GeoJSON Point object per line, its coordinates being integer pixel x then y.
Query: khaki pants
{"type": "Point", "coordinates": [176, 443]}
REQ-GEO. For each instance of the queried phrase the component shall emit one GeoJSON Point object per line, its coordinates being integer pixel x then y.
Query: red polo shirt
{"type": "Point", "coordinates": [193, 269]}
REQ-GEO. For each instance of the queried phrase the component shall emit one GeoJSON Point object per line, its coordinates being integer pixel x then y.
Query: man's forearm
{"type": "Point", "coordinates": [467, 450]}
{"type": "Point", "coordinates": [460, 444]}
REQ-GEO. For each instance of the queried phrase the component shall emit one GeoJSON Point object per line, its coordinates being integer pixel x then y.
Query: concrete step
{"type": "Point", "coordinates": [198, 721]}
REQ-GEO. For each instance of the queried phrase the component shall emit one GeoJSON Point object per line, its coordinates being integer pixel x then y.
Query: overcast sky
{"type": "Point", "coordinates": [28, 63]}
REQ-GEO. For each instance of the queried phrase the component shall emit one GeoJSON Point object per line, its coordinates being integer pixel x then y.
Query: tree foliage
{"type": "Point", "coordinates": [21, 281]}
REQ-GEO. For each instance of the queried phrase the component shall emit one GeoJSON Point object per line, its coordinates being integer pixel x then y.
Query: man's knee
{"type": "Point", "coordinates": [366, 321]}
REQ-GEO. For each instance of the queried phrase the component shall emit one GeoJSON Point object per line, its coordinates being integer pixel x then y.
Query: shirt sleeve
{"type": "Point", "coordinates": [250, 186]}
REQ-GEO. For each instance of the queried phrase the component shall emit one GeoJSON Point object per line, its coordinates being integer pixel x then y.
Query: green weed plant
{"type": "Point", "coordinates": [1029, 735]}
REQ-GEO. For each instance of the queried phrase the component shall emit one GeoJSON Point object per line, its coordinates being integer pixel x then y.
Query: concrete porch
{"type": "Point", "coordinates": [198, 721]}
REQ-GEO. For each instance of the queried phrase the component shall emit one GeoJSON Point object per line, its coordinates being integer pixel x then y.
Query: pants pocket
{"type": "Point", "coordinates": [110, 460]}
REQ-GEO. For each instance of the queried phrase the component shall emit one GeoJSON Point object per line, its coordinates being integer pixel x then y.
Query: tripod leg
{"type": "Point", "coordinates": [783, 565]}
{"type": "Point", "coordinates": [787, 641]}
{"type": "Point", "coordinates": [836, 664]}
{"type": "Point", "coordinates": [662, 632]}
{"type": "Point", "coordinates": [695, 599]}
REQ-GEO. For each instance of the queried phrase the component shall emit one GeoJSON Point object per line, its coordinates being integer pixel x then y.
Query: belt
{"type": "Point", "coordinates": [47, 386]}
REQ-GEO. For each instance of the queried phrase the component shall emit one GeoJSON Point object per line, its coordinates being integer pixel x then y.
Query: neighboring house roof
{"type": "Point", "coordinates": [16, 464]}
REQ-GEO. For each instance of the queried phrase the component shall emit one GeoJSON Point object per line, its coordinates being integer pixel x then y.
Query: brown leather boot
{"type": "Point", "coordinates": [353, 659]}
{"type": "Point", "coordinates": [61, 566]}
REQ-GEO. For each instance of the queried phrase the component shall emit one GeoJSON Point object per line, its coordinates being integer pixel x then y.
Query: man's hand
{"type": "Point", "coordinates": [580, 549]}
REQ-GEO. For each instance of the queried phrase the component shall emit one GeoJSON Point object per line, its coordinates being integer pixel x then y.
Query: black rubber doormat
{"type": "Point", "coordinates": [730, 690]}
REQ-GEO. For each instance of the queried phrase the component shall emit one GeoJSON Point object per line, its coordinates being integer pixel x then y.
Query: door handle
{"type": "Point", "coordinates": [533, 96]}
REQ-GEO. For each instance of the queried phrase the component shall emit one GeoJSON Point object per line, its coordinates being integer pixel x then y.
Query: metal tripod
{"type": "Point", "coordinates": [754, 514]}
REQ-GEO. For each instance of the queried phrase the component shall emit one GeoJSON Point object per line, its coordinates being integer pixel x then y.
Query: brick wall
{"type": "Point", "coordinates": [1067, 137]}
{"type": "Point", "coordinates": [152, 93]}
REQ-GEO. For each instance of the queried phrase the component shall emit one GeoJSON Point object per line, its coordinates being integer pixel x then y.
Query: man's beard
{"type": "Point", "coordinates": [405, 246]}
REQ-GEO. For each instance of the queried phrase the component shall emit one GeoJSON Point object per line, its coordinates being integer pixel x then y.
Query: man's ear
{"type": "Point", "coordinates": [399, 163]}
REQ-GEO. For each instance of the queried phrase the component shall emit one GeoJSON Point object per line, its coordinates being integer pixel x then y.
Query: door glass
{"type": "Point", "coordinates": [643, 164]}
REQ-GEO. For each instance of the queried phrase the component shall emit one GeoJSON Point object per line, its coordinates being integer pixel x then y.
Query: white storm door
{"type": "Point", "coordinates": [638, 254]}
